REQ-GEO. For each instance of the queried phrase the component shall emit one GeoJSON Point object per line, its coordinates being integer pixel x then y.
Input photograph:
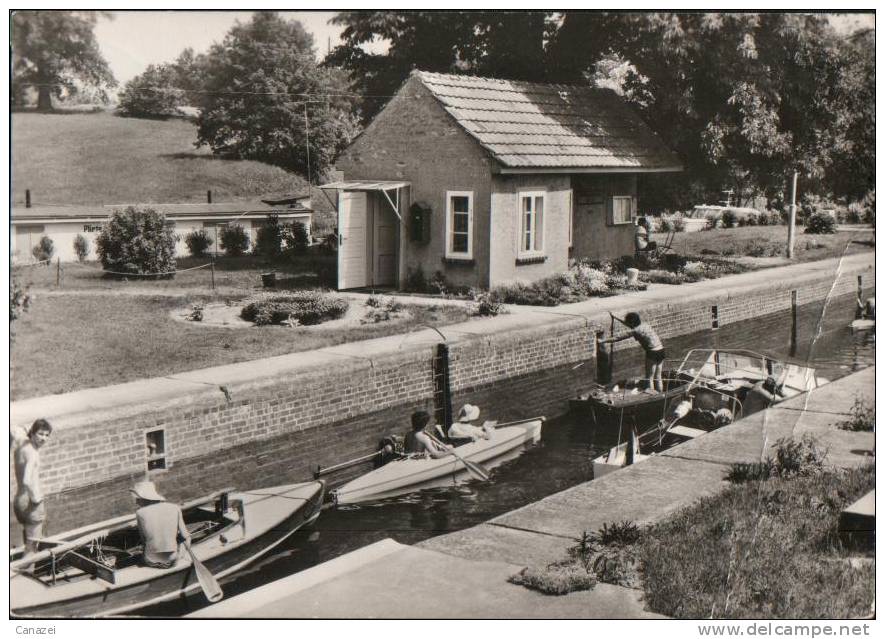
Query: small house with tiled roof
{"type": "Point", "coordinates": [490, 181]}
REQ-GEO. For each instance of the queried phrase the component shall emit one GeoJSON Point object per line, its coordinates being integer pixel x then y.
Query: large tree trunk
{"type": "Point", "coordinates": [44, 99]}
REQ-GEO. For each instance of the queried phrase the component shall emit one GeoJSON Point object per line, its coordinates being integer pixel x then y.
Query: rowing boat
{"type": "Point", "coordinates": [97, 570]}
{"type": "Point", "coordinates": [409, 473]}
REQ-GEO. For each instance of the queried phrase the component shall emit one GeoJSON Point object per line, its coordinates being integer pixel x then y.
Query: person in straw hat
{"type": "Point", "coordinates": [463, 429]}
{"type": "Point", "coordinates": [161, 525]}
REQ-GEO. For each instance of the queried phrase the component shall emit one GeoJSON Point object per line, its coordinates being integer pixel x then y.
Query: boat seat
{"type": "Point", "coordinates": [686, 431]}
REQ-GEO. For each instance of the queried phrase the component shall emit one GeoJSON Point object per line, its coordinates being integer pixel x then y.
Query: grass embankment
{"type": "Point", "coordinates": [770, 241]}
{"type": "Point", "coordinates": [90, 158]}
{"type": "Point", "coordinates": [765, 549]}
{"type": "Point", "coordinates": [71, 342]}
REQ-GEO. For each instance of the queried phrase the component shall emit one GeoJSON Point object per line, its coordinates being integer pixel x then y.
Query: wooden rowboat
{"type": "Point", "coordinates": [409, 473]}
{"type": "Point", "coordinates": [97, 570]}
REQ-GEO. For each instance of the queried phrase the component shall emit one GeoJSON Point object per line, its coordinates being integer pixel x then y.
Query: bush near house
{"type": "Point", "coordinates": [81, 247]}
{"type": "Point", "coordinates": [821, 223]}
{"type": "Point", "coordinates": [137, 241]}
{"type": "Point", "coordinates": [295, 239]}
{"type": "Point", "coordinates": [304, 307]}
{"type": "Point", "coordinates": [198, 242]}
{"type": "Point", "coordinates": [268, 241]}
{"type": "Point", "coordinates": [234, 241]}
{"type": "Point", "coordinates": [44, 249]}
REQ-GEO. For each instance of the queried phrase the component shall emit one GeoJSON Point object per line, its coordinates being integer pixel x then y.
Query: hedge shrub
{"type": "Point", "coordinates": [137, 241]}
{"type": "Point", "coordinates": [234, 241]}
{"type": "Point", "coordinates": [268, 241]}
{"type": "Point", "coordinates": [295, 239]}
{"type": "Point", "coordinates": [81, 247]}
{"type": "Point", "coordinates": [44, 249]}
{"type": "Point", "coordinates": [820, 223]}
{"type": "Point", "coordinates": [198, 242]}
{"type": "Point", "coordinates": [305, 307]}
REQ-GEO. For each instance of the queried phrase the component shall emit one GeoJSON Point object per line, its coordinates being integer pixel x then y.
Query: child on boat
{"type": "Point", "coordinates": [651, 344]}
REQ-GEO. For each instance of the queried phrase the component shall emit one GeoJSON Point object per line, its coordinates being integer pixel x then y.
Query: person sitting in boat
{"type": "Point", "coordinates": [463, 429]}
{"type": "Point", "coordinates": [760, 396]}
{"type": "Point", "coordinates": [161, 525]}
{"type": "Point", "coordinates": [651, 344]}
{"type": "Point", "coordinates": [418, 441]}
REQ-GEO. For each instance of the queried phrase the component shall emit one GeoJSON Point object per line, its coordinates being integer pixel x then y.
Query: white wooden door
{"type": "Point", "coordinates": [352, 240]}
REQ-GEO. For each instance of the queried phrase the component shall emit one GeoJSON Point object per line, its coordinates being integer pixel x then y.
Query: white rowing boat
{"type": "Point", "coordinates": [97, 570]}
{"type": "Point", "coordinates": [410, 473]}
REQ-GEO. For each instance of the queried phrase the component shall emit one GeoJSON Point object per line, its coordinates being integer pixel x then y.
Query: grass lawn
{"type": "Point", "coordinates": [769, 241]}
{"type": "Point", "coordinates": [106, 159]}
{"type": "Point", "coordinates": [761, 550]}
{"type": "Point", "coordinates": [67, 342]}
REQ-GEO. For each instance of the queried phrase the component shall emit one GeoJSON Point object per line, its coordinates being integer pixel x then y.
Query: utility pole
{"type": "Point", "coordinates": [791, 229]}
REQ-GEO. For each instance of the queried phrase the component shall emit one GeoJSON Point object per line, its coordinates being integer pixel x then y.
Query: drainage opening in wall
{"type": "Point", "coordinates": [156, 449]}
{"type": "Point", "coordinates": [714, 317]}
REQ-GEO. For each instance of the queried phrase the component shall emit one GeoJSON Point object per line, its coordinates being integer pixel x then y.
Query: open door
{"type": "Point", "coordinates": [352, 227]}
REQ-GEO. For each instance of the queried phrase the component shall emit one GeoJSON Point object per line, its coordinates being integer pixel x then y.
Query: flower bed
{"type": "Point", "coordinates": [303, 307]}
{"type": "Point", "coordinates": [579, 283]}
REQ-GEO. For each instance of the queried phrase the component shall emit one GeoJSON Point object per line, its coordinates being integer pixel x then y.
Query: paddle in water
{"type": "Point", "coordinates": [207, 580]}
{"type": "Point", "coordinates": [473, 468]}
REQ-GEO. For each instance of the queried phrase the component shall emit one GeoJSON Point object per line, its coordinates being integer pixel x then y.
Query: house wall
{"type": "Point", "coordinates": [504, 266]}
{"type": "Point", "coordinates": [414, 139]}
{"type": "Point", "coordinates": [594, 237]}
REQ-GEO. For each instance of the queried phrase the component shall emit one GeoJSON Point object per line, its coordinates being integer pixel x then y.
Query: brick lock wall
{"type": "Point", "coordinates": [277, 429]}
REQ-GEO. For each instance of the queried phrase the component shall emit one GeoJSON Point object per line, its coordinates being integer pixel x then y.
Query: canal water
{"type": "Point", "coordinates": [559, 461]}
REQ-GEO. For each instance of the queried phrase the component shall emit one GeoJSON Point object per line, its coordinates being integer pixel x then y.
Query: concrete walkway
{"type": "Point", "coordinates": [119, 399]}
{"type": "Point", "coordinates": [464, 574]}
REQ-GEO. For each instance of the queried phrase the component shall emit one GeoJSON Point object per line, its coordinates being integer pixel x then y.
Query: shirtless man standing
{"type": "Point", "coordinates": [28, 501]}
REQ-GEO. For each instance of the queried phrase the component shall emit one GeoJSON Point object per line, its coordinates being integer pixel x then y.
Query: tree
{"type": "Point", "coordinates": [295, 239]}
{"type": "Point", "coordinates": [152, 94]}
{"type": "Point", "coordinates": [743, 98]}
{"type": "Point", "coordinates": [137, 241]}
{"type": "Point", "coordinates": [496, 43]}
{"type": "Point", "coordinates": [81, 248]}
{"type": "Point", "coordinates": [197, 242]}
{"type": "Point", "coordinates": [53, 51]}
{"type": "Point", "coordinates": [234, 240]}
{"type": "Point", "coordinates": [269, 238]}
{"type": "Point", "coordinates": [44, 249]}
{"type": "Point", "coordinates": [267, 100]}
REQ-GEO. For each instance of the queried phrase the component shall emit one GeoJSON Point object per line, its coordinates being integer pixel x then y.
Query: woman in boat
{"type": "Point", "coordinates": [463, 429]}
{"type": "Point", "coordinates": [651, 344]}
{"type": "Point", "coordinates": [418, 441]}
{"type": "Point", "coordinates": [161, 525]}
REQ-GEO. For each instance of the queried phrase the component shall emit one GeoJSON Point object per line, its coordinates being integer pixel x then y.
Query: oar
{"type": "Point", "coordinates": [472, 467]}
{"type": "Point", "coordinates": [207, 580]}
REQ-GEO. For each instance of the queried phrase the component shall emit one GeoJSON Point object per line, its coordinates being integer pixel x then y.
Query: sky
{"type": "Point", "coordinates": [135, 39]}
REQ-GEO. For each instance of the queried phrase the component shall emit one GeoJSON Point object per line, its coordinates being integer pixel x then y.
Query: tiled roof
{"type": "Point", "coordinates": [531, 125]}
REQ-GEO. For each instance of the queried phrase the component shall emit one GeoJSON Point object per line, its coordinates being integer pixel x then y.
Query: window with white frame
{"type": "Point", "coordinates": [531, 224]}
{"type": "Point", "coordinates": [459, 224]}
{"type": "Point", "coordinates": [622, 209]}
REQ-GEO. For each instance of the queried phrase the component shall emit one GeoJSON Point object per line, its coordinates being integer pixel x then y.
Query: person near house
{"type": "Point", "coordinates": [642, 238]}
{"type": "Point", "coordinates": [760, 396]}
{"type": "Point", "coordinates": [417, 441]}
{"type": "Point", "coordinates": [463, 429]}
{"type": "Point", "coordinates": [28, 501]}
{"type": "Point", "coordinates": [866, 310]}
{"type": "Point", "coordinates": [161, 525]}
{"type": "Point", "coordinates": [651, 344]}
